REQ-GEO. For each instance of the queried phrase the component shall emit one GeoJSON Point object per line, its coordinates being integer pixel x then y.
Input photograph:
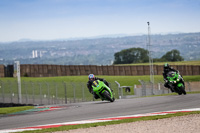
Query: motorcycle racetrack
{"type": "Point", "coordinates": [99, 110]}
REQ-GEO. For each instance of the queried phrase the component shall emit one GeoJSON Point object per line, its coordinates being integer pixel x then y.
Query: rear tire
{"type": "Point", "coordinates": [107, 96]}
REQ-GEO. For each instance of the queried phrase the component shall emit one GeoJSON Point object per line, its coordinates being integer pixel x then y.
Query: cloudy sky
{"type": "Point", "coordinates": [62, 19]}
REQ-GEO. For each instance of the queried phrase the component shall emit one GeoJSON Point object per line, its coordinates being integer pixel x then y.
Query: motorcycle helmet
{"type": "Point", "coordinates": [91, 77]}
{"type": "Point", "coordinates": [166, 66]}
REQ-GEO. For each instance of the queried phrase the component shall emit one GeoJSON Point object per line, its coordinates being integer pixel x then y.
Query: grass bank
{"type": "Point", "coordinates": [123, 80]}
{"type": "Point", "coordinates": [9, 110]}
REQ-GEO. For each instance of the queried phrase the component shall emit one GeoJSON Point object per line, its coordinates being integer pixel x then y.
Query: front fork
{"type": "Point", "coordinates": [109, 90]}
{"type": "Point", "coordinates": [171, 87]}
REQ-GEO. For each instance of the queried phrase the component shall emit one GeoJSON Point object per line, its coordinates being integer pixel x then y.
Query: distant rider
{"type": "Point", "coordinates": [89, 84]}
{"type": "Point", "coordinates": [167, 69]}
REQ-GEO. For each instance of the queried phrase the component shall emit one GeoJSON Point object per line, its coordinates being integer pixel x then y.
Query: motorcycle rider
{"type": "Point", "coordinates": [89, 84]}
{"type": "Point", "coordinates": [167, 69]}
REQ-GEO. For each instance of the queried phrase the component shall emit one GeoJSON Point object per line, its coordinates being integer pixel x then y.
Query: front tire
{"type": "Point", "coordinates": [182, 89]}
{"type": "Point", "coordinates": [106, 94]}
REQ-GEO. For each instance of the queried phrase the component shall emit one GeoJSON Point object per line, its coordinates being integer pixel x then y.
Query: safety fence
{"type": "Point", "coordinates": [148, 89]}
{"type": "Point", "coordinates": [47, 93]}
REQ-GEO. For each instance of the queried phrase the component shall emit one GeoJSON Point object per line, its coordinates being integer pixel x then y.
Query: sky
{"type": "Point", "coordinates": [64, 19]}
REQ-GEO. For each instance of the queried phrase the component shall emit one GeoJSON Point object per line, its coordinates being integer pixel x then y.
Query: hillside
{"type": "Point", "coordinates": [99, 51]}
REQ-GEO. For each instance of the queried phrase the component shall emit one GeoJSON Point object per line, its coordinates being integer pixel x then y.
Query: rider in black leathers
{"type": "Point", "coordinates": [89, 84]}
{"type": "Point", "coordinates": [167, 69]}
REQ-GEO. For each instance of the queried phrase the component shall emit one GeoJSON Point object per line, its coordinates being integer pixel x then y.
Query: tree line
{"type": "Point", "coordinates": [140, 55]}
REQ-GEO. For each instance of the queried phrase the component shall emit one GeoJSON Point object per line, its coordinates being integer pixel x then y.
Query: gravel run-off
{"type": "Point", "coordinates": [180, 124]}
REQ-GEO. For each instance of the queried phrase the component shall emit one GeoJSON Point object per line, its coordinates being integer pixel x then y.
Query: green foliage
{"type": "Point", "coordinates": [140, 55]}
{"type": "Point", "coordinates": [131, 55]}
{"type": "Point", "coordinates": [173, 55]}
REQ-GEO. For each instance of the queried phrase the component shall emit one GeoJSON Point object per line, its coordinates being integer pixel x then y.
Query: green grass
{"type": "Point", "coordinates": [70, 127]}
{"type": "Point", "coordinates": [9, 110]}
{"type": "Point", "coordinates": [123, 80]}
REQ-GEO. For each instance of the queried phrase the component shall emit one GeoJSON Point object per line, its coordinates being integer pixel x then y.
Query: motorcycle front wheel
{"type": "Point", "coordinates": [107, 96]}
{"type": "Point", "coordinates": [182, 89]}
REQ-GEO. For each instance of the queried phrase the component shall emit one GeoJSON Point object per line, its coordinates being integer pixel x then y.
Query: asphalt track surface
{"type": "Point", "coordinates": [102, 109]}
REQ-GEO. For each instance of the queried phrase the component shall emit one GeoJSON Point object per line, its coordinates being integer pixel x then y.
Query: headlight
{"type": "Point", "coordinates": [174, 81]}
{"type": "Point", "coordinates": [178, 79]}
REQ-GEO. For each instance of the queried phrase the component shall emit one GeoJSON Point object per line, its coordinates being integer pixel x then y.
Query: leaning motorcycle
{"type": "Point", "coordinates": [103, 91]}
{"type": "Point", "coordinates": [176, 82]}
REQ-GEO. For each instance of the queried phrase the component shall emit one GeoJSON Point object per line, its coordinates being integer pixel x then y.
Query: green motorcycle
{"type": "Point", "coordinates": [176, 82]}
{"type": "Point", "coordinates": [103, 91]}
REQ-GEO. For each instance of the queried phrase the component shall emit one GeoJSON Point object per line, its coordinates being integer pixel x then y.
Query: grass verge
{"type": "Point", "coordinates": [9, 110]}
{"type": "Point", "coordinates": [123, 80]}
{"type": "Point", "coordinates": [71, 127]}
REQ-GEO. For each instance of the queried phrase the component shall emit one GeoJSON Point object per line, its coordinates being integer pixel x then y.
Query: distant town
{"type": "Point", "coordinates": [96, 51]}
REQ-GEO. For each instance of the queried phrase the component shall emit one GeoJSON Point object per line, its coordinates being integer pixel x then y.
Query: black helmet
{"type": "Point", "coordinates": [166, 66]}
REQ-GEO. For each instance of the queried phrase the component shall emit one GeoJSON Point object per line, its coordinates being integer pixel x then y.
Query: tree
{"type": "Point", "coordinates": [173, 55]}
{"type": "Point", "coordinates": [132, 55]}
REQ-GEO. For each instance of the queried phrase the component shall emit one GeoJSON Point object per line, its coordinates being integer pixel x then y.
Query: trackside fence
{"type": "Point", "coordinates": [148, 89]}
{"type": "Point", "coordinates": [48, 93]}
